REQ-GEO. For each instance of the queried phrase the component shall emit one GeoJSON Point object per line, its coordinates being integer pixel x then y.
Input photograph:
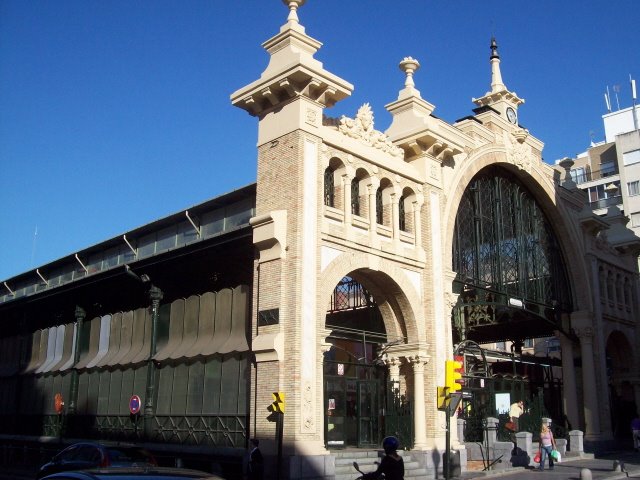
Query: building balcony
{"type": "Point", "coordinates": [591, 176]}
{"type": "Point", "coordinates": [606, 202]}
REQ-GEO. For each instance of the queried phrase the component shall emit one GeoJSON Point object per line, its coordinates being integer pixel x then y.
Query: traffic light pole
{"type": "Point", "coordinates": [279, 430]}
{"type": "Point", "coordinates": [447, 451]}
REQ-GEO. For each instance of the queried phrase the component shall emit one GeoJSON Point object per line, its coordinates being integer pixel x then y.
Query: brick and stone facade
{"type": "Point", "coordinates": [306, 247]}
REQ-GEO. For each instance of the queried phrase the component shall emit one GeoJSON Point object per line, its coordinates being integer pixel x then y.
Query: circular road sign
{"type": "Point", "coordinates": [134, 404]}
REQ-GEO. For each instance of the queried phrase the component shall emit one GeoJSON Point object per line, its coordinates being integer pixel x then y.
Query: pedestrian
{"type": "Point", "coordinates": [547, 444]}
{"type": "Point", "coordinates": [256, 462]}
{"type": "Point", "coordinates": [391, 465]}
{"type": "Point", "coordinates": [635, 432]}
{"type": "Point", "coordinates": [517, 409]}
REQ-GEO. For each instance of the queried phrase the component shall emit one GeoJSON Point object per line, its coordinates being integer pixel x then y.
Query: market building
{"type": "Point", "coordinates": [344, 278]}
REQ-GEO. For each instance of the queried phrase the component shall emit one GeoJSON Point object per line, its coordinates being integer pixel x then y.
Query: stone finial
{"type": "Point", "coordinates": [409, 65]}
{"type": "Point", "coordinates": [568, 181]}
{"type": "Point", "coordinates": [293, 7]}
{"type": "Point", "coordinates": [494, 48]}
{"type": "Point", "coordinates": [496, 76]}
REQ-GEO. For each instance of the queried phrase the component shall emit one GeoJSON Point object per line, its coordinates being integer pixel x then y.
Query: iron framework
{"type": "Point", "coordinates": [508, 260]}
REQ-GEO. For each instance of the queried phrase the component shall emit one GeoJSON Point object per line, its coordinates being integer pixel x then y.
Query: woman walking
{"type": "Point", "coordinates": [547, 444]}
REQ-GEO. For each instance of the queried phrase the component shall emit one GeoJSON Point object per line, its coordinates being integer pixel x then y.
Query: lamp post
{"type": "Point", "coordinates": [80, 315]}
{"type": "Point", "coordinates": [155, 295]}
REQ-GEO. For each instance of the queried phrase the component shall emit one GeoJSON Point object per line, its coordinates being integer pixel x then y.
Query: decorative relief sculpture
{"type": "Point", "coordinates": [602, 242]}
{"type": "Point", "coordinates": [361, 128]}
{"type": "Point", "coordinates": [307, 407]}
{"type": "Point", "coordinates": [519, 153]}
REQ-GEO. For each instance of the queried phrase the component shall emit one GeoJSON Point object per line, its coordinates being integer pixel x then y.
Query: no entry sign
{"type": "Point", "coordinates": [134, 404]}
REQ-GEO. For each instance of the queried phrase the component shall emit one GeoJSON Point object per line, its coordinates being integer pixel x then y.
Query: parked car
{"type": "Point", "coordinates": [133, 473]}
{"type": "Point", "coordinates": [85, 455]}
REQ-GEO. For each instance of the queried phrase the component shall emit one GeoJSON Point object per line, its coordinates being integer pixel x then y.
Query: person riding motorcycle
{"type": "Point", "coordinates": [392, 465]}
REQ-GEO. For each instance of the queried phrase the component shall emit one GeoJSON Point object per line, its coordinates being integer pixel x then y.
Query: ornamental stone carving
{"type": "Point", "coordinates": [361, 128]}
{"type": "Point", "coordinates": [519, 154]}
{"type": "Point", "coordinates": [602, 242]}
{"type": "Point", "coordinates": [307, 407]}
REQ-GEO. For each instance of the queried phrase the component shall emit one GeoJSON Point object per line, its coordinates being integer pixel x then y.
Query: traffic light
{"type": "Point", "coordinates": [453, 376]}
{"type": "Point", "coordinates": [278, 402]}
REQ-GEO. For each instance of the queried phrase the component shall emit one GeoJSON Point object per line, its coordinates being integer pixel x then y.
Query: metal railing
{"type": "Point", "coordinates": [593, 175]}
{"type": "Point", "coordinates": [606, 202]}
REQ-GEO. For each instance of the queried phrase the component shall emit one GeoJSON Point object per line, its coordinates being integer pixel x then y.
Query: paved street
{"type": "Point", "coordinates": [601, 468]}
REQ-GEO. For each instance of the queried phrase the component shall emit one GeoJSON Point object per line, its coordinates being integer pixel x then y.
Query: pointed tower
{"type": "Point", "coordinates": [289, 100]}
{"type": "Point", "coordinates": [500, 99]}
{"type": "Point", "coordinates": [294, 83]}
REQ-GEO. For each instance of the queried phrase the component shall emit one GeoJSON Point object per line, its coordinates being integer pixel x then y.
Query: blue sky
{"type": "Point", "coordinates": [114, 113]}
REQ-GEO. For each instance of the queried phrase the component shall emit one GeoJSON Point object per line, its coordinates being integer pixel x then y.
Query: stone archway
{"type": "Point", "coordinates": [369, 367]}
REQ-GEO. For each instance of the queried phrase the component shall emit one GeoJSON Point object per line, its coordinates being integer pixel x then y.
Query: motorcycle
{"type": "Point", "coordinates": [366, 476]}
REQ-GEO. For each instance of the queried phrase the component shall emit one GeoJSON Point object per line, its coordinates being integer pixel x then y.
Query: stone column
{"type": "Point", "coordinates": [393, 363]}
{"type": "Point", "coordinates": [419, 418]}
{"type": "Point", "coordinates": [417, 223]}
{"type": "Point", "coordinates": [395, 216]}
{"type": "Point", "coordinates": [346, 198]}
{"type": "Point", "coordinates": [570, 399]}
{"type": "Point", "coordinates": [591, 410]}
{"type": "Point", "coordinates": [373, 223]}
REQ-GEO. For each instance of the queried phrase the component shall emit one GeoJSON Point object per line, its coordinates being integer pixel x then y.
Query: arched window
{"type": "Point", "coordinates": [402, 219]}
{"type": "Point", "coordinates": [329, 190]}
{"type": "Point", "coordinates": [627, 293]}
{"type": "Point", "coordinates": [379, 207]}
{"type": "Point", "coordinates": [610, 289]}
{"type": "Point", "coordinates": [355, 196]}
{"type": "Point", "coordinates": [504, 243]}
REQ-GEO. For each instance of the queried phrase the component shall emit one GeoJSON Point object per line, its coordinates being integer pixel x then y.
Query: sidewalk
{"type": "Point", "coordinates": [601, 468]}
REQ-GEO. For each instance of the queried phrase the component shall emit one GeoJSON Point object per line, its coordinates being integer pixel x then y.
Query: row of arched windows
{"type": "Point", "coordinates": [615, 291]}
{"type": "Point", "coordinates": [383, 203]}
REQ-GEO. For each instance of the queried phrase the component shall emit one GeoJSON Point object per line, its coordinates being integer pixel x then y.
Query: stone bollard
{"type": "Point", "coordinates": [491, 431]}
{"type": "Point", "coordinates": [461, 424]}
{"type": "Point", "coordinates": [585, 474]}
{"type": "Point", "coordinates": [576, 441]}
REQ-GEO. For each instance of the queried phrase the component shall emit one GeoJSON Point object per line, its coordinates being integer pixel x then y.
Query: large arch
{"type": "Point", "coordinates": [500, 306]}
{"type": "Point", "coordinates": [543, 189]}
{"type": "Point", "coordinates": [396, 342]}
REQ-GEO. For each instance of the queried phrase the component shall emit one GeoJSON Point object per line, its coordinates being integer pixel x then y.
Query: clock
{"type": "Point", "coordinates": [511, 115]}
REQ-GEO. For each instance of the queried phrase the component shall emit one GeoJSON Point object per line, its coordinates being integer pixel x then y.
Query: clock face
{"type": "Point", "coordinates": [511, 115]}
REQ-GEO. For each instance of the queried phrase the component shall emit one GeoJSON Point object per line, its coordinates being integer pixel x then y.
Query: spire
{"type": "Point", "coordinates": [499, 93]}
{"type": "Point", "coordinates": [496, 76]}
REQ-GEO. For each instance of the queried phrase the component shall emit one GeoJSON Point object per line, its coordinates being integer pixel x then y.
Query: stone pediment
{"type": "Point", "coordinates": [361, 128]}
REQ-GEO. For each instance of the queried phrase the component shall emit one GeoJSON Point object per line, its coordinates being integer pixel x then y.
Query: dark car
{"type": "Point", "coordinates": [85, 455]}
{"type": "Point", "coordinates": [133, 473]}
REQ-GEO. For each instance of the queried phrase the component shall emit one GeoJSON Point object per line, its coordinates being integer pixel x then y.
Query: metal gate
{"type": "Point", "coordinates": [398, 415]}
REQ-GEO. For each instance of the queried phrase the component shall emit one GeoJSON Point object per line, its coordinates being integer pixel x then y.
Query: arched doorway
{"type": "Point", "coordinates": [621, 397]}
{"type": "Point", "coordinates": [362, 403]}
